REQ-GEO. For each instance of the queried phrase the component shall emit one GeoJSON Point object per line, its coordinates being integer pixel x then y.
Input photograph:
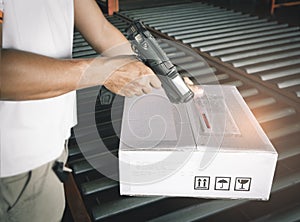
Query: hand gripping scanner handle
{"type": "Point", "coordinates": [148, 50]}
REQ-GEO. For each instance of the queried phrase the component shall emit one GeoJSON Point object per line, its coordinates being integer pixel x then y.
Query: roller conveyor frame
{"type": "Point", "coordinates": [272, 107]}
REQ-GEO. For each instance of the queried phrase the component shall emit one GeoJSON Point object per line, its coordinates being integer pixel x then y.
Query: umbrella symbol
{"type": "Point", "coordinates": [222, 182]}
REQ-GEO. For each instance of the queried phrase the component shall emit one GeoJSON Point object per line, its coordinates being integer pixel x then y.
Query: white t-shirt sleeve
{"type": "Point", "coordinates": [1, 5]}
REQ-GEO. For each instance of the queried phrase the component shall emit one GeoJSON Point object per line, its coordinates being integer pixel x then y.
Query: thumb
{"type": "Point", "coordinates": [188, 81]}
{"type": "Point", "coordinates": [154, 81]}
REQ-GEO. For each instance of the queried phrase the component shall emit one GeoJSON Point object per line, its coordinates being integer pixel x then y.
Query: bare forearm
{"type": "Point", "coordinates": [95, 28]}
{"type": "Point", "coordinates": [27, 76]}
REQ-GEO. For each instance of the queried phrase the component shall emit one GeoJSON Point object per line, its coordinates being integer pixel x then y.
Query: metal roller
{"type": "Point", "coordinates": [237, 56]}
{"type": "Point", "coordinates": [121, 206]}
{"type": "Point", "coordinates": [247, 41]}
{"type": "Point", "coordinates": [98, 185]}
{"type": "Point", "coordinates": [270, 66]}
{"type": "Point", "coordinates": [267, 44]}
{"type": "Point", "coordinates": [226, 30]}
{"type": "Point", "coordinates": [175, 23]}
{"type": "Point", "coordinates": [266, 58]}
{"type": "Point", "coordinates": [197, 18]}
{"type": "Point", "coordinates": [232, 36]}
{"type": "Point", "coordinates": [186, 29]}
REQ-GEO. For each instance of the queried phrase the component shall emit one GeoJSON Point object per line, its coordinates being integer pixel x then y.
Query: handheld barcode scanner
{"type": "Point", "coordinates": [148, 50]}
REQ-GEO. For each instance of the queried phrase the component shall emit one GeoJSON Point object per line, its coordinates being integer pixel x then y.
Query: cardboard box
{"type": "Point", "coordinates": [211, 147]}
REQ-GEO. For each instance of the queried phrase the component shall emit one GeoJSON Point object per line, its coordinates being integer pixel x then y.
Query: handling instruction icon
{"type": "Point", "coordinates": [222, 183]}
{"type": "Point", "coordinates": [242, 184]}
{"type": "Point", "coordinates": [201, 183]}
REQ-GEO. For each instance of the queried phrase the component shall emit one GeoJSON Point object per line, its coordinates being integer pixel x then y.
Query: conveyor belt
{"type": "Point", "coordinates": [273, 102]}
{"type": "Point", "coordinates": [266, 50]}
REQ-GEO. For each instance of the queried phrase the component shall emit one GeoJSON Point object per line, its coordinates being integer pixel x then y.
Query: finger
{"type": "Point", "coordinates": [154, 81]}
{"type": "Point", "coordinates": [128, 94]}
{"type": "Point", "coordinates": [139, 93]}
{"type": "Point", "coordinates": [133, 89]}
{"type": "Point", "coordinates": [188, 81]}
{"type": "Point", "coordinates": [147, 89]}
{"type": "Point", "coordinates": [198, 90]}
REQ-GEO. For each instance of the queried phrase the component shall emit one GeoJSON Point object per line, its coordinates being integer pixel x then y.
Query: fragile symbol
{"type": "Point", "coordinates": [222, 183]}
{"type": "Point", "coordinates": [242, 183]}
{"type": "Point", "coordinates": [201, 183]}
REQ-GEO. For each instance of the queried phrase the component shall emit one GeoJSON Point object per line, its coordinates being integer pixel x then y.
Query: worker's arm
{"type": "Point", "coordinates": [95, 28]}
{"type": "Point", "coordinates": [109, 41]}
{"type": "Point", "coordinates": [25, 75]}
